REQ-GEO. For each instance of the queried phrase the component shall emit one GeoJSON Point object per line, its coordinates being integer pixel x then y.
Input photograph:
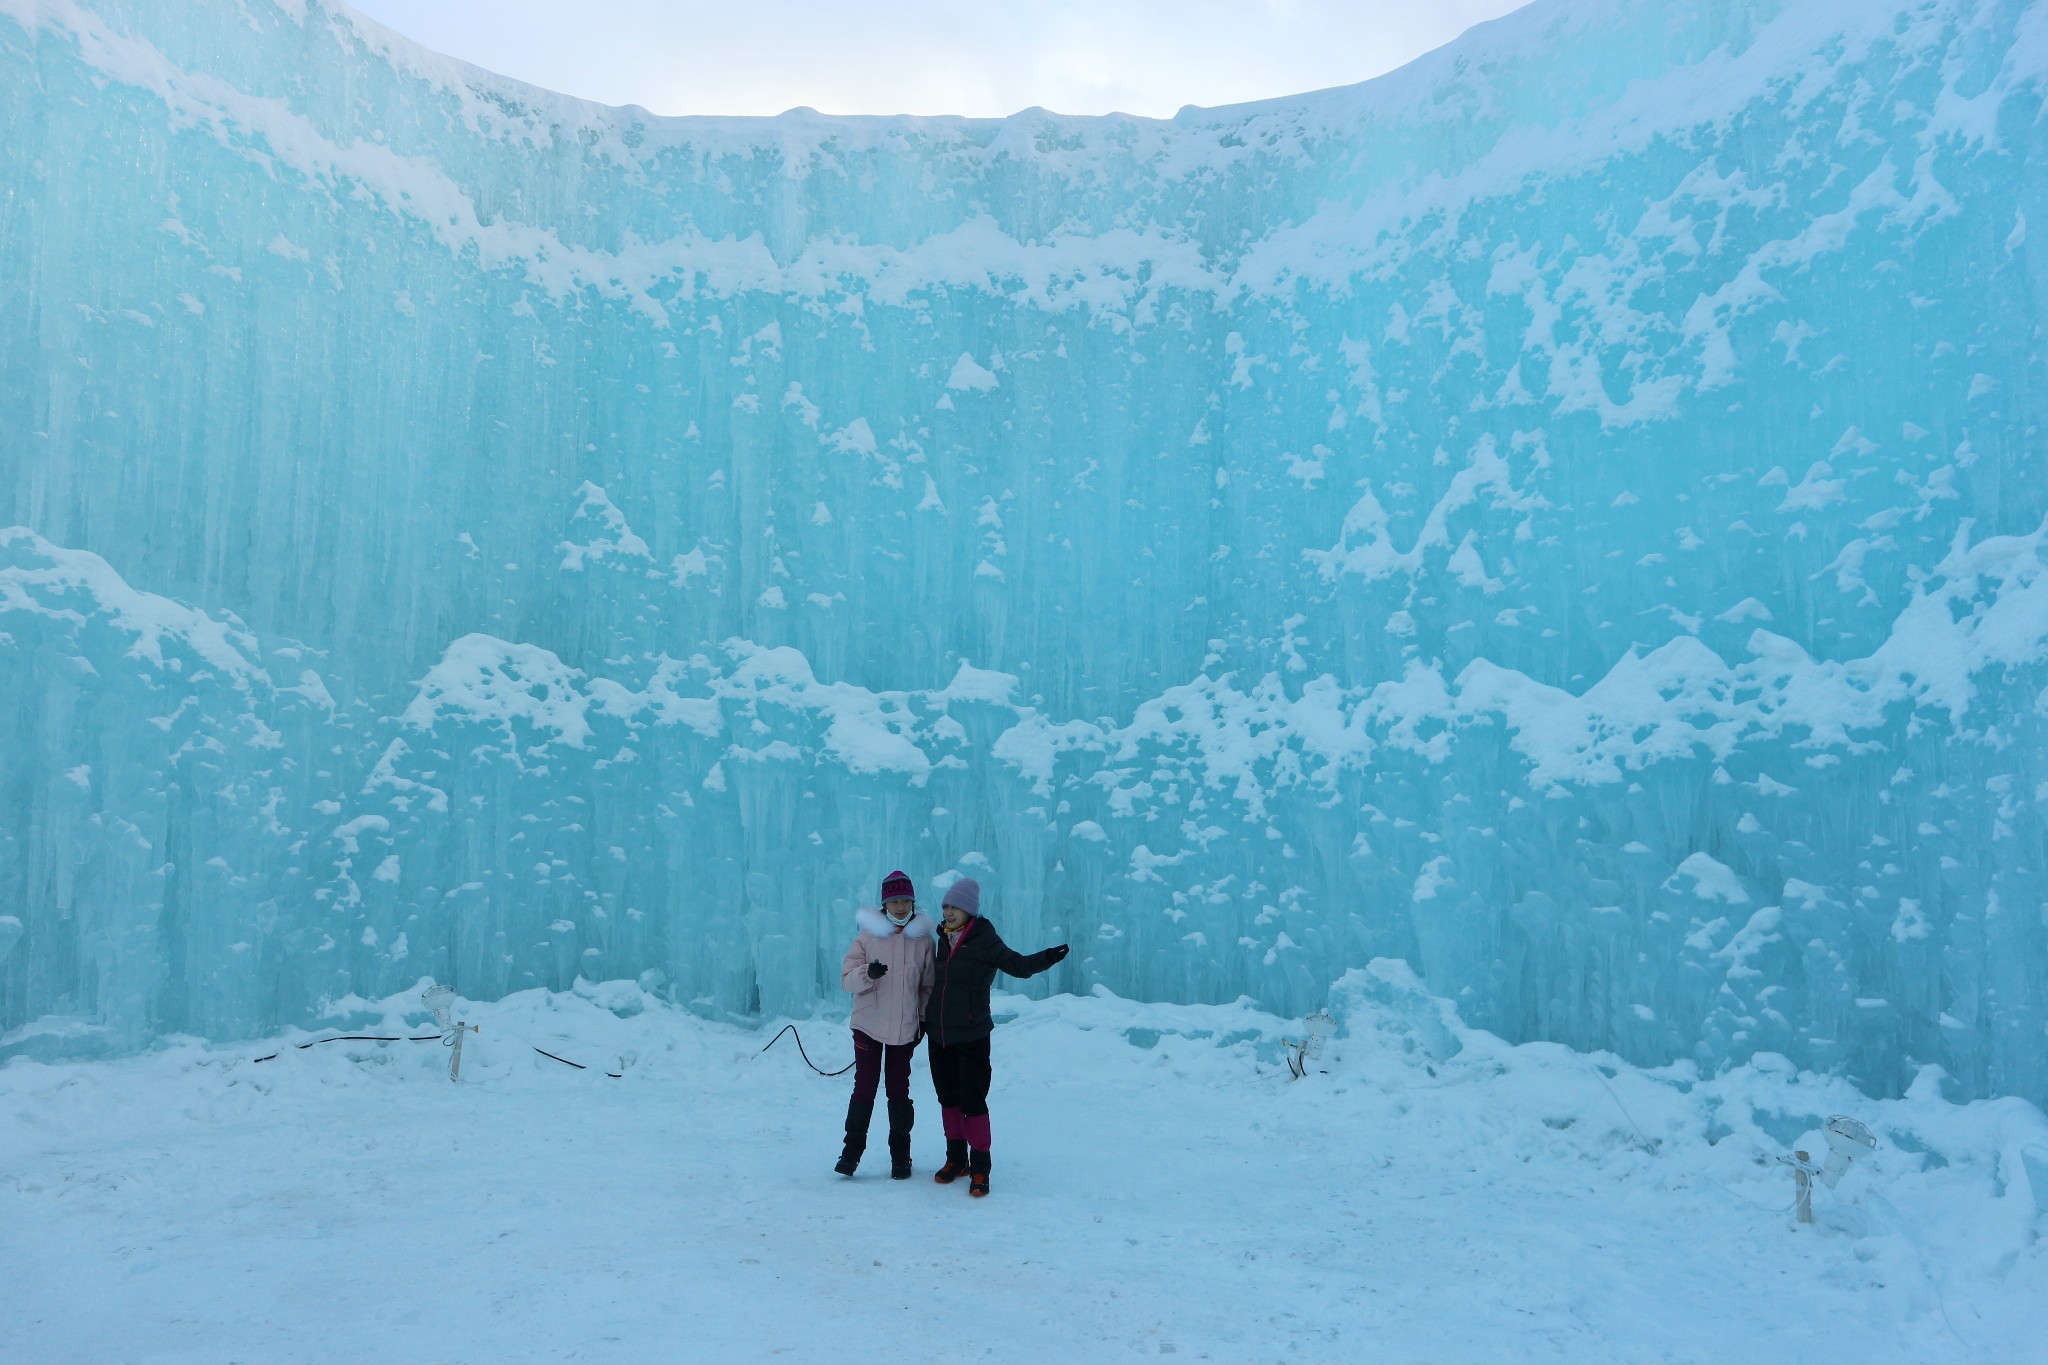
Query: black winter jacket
{"type": "Point", "coordinates": [961, 977]}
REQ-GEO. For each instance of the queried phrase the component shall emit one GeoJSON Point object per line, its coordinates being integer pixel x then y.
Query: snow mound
{"type": "Point", "coordinates": [1426, 1189]}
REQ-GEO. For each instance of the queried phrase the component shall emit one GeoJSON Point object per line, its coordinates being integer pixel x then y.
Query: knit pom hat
{"type": "Point", "coordinates": [896, 886]}
{"type": "Point", "coordinates": [965, 893]}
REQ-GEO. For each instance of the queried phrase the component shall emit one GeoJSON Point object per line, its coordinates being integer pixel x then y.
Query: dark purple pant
{"type": "Point", "coordinates": [960, 1075]}
{"type": "Point", "coordinates": [872, 1059]}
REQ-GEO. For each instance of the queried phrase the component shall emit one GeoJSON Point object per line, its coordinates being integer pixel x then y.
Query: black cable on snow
{"type": "Point", "coordinates": [446, 1040]}
{"type": "Point", "coordinates": [615, 1075]}
{"type": "Point", "coordinates": [362, 1038]}
{"type": "Point", "coordinates": [372, 1038]}
{"type": "Point", "coordinates": [791, 1029]}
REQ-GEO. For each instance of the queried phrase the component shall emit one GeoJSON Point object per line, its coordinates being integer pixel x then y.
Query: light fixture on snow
{"type": "Point", "coordinates": [1847, 1140]}
{"type": "Point", "coordinates": [441, 1000]}
{"type": "Point", "coordinates": [1302, 1051]}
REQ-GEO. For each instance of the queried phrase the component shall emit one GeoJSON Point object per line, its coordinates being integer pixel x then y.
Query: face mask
{"type": "Point", "coordinates": [899, 923]}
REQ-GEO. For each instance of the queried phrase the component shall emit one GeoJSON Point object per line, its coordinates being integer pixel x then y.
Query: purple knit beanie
{"type": "Point", "coordinates": [965, 893]}
{"type": "Point", "coordinates": [896, 886]}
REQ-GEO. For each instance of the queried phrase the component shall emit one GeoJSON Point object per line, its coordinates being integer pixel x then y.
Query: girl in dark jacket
{"type": "Point", "coordinates": [956, 1026]}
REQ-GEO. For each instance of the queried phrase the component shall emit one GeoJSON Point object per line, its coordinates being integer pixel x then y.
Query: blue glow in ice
{"type": "Point", "coordinates": [1568, 514]}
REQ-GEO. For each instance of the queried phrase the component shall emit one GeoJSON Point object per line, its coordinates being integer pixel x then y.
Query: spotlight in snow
{"type": "Point", "coordinates": [441, 1000]}
{"type": "Point", "coordinates": [1847, 1140]}
{"type": "Point", "coordinates": [1302, 1051]}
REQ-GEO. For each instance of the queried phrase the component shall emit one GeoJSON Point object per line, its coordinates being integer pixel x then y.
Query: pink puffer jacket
{"type": "Point", "coordinates": [889, 1008]}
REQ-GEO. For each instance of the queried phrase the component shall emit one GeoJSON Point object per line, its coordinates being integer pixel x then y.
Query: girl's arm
{"type": "Point", "coordinates": [1013, 963]}
{"type": "Point", "coordinates": [853, 968]}
{"type": "Point", "coordinates": [1025, 964]}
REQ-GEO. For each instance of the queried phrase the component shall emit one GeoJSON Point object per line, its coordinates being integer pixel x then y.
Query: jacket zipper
{"type": "Point", "coordinates": [952, 951]}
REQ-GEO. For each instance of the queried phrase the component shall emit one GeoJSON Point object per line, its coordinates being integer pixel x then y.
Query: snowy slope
{"type": "Point", "coordinates": [1566, 514]}
{"type": "Point", "coordinates": [1159, 1189]}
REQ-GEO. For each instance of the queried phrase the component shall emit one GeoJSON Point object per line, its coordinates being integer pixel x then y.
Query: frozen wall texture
{"type": "Point", "coordinates": [1569, 513]}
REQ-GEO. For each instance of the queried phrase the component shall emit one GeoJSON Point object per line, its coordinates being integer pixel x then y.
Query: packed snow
{"type": "Point", "coordinates": [1162, 1186]}
{"type": "Point", "coordinates": [1564, 514]}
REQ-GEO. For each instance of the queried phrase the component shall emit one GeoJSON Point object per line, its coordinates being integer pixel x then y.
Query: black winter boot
{"type": "Point", "coordinates": [977, 1172]}
{"type": "Point", "coordinates": [857, 1116]}
{"type": "Point", "coordinates": [902, 1113]}
{"type": "Point", "coordinates": [956, 1162]}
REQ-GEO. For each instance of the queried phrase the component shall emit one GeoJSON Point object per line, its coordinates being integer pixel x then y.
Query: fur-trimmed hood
{"type": "Point", "coordinates": [873, 921]}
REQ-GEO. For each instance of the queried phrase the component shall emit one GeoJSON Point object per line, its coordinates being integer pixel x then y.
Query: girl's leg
{"type": "Point", "coordinates": [902, 1115]}
{"type": "Point", "coordinates": [867, 1075]}
{"type": "Point", "coordinates": [896, 1070]}
{"type": "Point", "coordinates": [941, 1062]}
{"type": "Point", "coordinates": [972, 1071]}
{"type": "Point", "coordinates": [972, 1075]}
{"type": "Point", "coordinates": [867, 1068]}
{"type": "Point", "coordinates": [944, 1081]}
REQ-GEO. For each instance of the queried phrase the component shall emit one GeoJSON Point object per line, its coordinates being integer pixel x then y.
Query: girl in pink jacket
{"type": "Point", "coordinates": [889, 972]}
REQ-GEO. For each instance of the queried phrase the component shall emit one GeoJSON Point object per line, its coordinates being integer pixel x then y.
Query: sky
{"type": "Point", "coordinates": [982, 58]}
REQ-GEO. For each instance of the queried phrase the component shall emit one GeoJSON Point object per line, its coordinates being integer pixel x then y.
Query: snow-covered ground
{"type": "Point", "coordinates": [1162, 1187]}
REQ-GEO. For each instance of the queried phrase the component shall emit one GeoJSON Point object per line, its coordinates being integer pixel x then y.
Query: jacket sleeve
{"type": "Point", "coordinates": [853, 968]}
{"type": "Point", "coordinates": [927, 973]}
{"type": "Point", "coordinates": [1010, 962]}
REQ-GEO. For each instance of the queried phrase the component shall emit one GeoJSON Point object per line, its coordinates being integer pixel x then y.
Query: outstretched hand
{"type": "Point", "coordinates": [876, 970]}
{"type": "Point", "coordinates": [1054, 956]}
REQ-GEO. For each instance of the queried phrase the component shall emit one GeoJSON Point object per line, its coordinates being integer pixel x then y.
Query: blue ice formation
{"type": "Point", "coordinates": [1568, 514]}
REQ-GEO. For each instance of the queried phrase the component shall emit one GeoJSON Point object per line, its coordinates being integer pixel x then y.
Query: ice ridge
{"type": "Point", "coordinates": [1566, 514]}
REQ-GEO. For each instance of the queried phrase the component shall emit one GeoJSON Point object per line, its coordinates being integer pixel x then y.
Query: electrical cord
{"type": "Point", "coordinates": [791, 1029]}
{"type": "Point", "coordinates": [444, 1039]}
{"type": "Point", "coordinates": [1652, 1147]}
{"type": "Point", "coordinates": [366, 1038]}
{"type": "Point", "coordinates": [615, 1075]}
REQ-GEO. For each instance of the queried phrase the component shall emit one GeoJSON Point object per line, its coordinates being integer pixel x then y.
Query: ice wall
{"type": "Point", "coordinates": [1568, 513]}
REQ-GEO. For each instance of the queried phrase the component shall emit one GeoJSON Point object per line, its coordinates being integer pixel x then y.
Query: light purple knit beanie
{"type": "Point", "coordinates": [965, 893]}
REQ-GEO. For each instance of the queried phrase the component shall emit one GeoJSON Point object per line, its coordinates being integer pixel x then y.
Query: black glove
{"type": "Point", "coordinates": [1054, 956]}
{"type": "Point", "coordinates": [876, 970]}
